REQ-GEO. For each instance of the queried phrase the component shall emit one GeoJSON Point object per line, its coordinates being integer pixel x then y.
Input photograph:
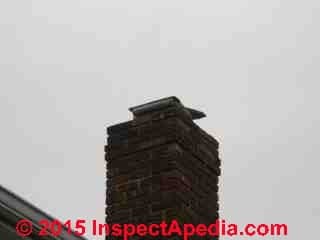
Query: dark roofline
{"type": "Point", "coordinates": [20, 207]}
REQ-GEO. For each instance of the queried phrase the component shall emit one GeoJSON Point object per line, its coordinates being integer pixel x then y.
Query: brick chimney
{"type": "Point", "coordinates": [162, 166]}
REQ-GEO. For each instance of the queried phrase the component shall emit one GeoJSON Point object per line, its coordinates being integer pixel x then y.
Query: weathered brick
{"type": "Point", "coordinates": [162, 166]}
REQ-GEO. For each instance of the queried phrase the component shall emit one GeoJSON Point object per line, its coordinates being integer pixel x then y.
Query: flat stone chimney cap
{"type": "Point", "coordinates": [162, 104]}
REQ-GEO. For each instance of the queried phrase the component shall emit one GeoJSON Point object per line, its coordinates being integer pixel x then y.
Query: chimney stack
{"type": "Point", "coordinates": [161, 166]}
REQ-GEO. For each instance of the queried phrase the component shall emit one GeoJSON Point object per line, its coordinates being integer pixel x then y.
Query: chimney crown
{"type": "Point", "coordinates": [161, 104]}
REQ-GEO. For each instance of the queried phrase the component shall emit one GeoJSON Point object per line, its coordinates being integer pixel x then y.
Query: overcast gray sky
{"type": "Point", "coordinates": [70, 68]}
